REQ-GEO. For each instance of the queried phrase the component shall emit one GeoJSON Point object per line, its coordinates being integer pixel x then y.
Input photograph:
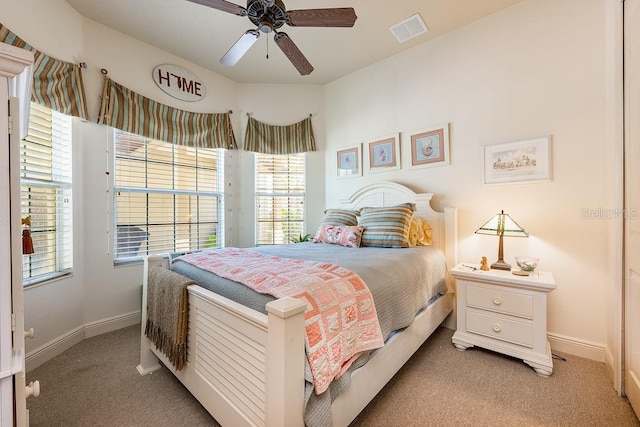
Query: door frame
{"type": "Point", "coordinates": [629, 215]}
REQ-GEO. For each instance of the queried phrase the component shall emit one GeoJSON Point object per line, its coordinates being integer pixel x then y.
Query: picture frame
{"type": "Point", "coordinates": [518, 162]}
{"type": "Point", "coordinates": [383, 154]}
{"type": "Point", "coordinates": [429, 147]}
{"type": "Point", "coordinates": [349, 161]}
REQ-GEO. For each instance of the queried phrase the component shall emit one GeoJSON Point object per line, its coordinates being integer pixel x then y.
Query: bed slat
{"type": "Point", "coordinates": [230, 365]}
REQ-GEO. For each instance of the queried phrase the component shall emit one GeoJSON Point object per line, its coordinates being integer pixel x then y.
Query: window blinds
{"type": "Point", "coordinates": [46, 183]}
{"type": "Point", "coordinates": [167, 197]}
{"type": "Point", "coordinates": [280, 197]}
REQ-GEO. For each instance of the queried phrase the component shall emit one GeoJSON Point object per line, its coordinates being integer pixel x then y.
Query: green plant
{"type": "Point", "coordinates": [211, 242]}
{"type": "Point", "coordinates": [301, 238]}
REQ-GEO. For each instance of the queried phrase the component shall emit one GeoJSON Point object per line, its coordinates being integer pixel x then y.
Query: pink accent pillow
{"type": "Point", "coordinates": [342, 235]}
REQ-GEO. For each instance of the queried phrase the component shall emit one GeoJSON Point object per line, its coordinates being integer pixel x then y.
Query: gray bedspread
{"type": "Point", "coordinates": [401, 281]}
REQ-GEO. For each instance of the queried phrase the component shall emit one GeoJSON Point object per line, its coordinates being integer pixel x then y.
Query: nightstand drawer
{"type": "Point", "coordinates": [514, 331]}
{"type": "Point", "coordinates": [512, 303]}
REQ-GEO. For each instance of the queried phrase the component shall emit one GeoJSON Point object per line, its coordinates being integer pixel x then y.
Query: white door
{"type": "Point", "coordinates": [19, 367]}
{"type": "Point", "coordinates": [6, 354]}
{"type": "Point", "coordinates": [13, 390]}
{"type": "Point", "coordinates": [632, 201]}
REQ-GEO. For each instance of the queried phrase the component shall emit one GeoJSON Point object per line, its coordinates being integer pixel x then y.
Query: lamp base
{"type": "Point", "coordinates": [501, 265]}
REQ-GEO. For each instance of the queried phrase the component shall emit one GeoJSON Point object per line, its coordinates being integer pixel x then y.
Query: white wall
{"type": "Point", "coordinates": [110, 290]}
{"type": "Point", "coordinates": [68, 309]}
{"type": "Point", "coordinates": [57, 308]}
{"type": "Point", "coordinates": [280, 105]}
{"type": "Point", "coordinates": [535, 69]}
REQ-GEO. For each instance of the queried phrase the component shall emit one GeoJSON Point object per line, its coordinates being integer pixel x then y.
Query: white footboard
{"type": "Point", "coordinates": [244, 367]}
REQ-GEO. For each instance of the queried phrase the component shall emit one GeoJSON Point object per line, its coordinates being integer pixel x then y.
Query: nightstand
{"type": "Point", "coordinates": [500, 311]}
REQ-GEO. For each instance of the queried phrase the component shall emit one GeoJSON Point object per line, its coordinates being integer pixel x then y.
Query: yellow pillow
{"type": "Point", "coordinates": [426, 230]}
{"type": "Point", "coordinates": [415, 232]}
{"type": "Point", "coordinates": [419, 232]}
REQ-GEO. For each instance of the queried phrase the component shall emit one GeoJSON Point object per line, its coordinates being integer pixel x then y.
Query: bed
{"type": "Point", "coordinates": [263, 379]}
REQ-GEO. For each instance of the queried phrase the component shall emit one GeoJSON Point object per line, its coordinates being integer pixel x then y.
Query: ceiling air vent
{"type": "Point", "coordinates": [409, 28]}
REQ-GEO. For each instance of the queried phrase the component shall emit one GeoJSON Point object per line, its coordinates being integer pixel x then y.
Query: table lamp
{"type": "Point", "coordinates": [502, 225]}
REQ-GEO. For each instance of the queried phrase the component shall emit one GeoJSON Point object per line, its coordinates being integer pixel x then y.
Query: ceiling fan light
{"type": "Point", "coordinates": [241, 47]}
{"type": "Point", "coordinates": [266, 27]}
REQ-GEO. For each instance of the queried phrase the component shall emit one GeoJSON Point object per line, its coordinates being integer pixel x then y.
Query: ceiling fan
{"type": "Point", "coordinates": [270, 15]}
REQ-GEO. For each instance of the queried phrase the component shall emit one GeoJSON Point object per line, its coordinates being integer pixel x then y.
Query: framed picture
{"type": "Point", "coordinates": [349, 162]}
{"type": "Point", "coordinates": [384, 154]}
{"type": "Point", "coordinates": [430, 147]}
{"type": "Point", "coordinates": [517, 162]}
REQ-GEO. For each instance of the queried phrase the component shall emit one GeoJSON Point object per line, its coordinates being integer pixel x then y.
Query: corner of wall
{"type": "Point", "coordinates": [54, 347]}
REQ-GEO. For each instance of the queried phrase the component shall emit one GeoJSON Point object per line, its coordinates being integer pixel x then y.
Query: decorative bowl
{"type": "Point", "coordinates": [527, 263]}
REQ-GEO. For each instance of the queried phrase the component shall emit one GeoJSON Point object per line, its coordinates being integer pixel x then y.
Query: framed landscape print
{"type": "Point", "coordinates": [384, 154]}
{"type": "Point", "coordinates": [349, 162]}
{"type": "Point", "coordinates": [430, 147]}
{"type": "Point", "coordinates": [518, 162]}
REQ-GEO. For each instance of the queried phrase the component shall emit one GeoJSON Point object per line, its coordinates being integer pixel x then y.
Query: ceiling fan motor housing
{"type": "Point", "coordinates": [267, 15]}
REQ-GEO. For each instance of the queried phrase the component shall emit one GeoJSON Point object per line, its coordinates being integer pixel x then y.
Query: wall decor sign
{"type": "Point", "coordinates": [384, 154]}
{"type": "Point", "coordinates": [430, 147]}
{"type": "Point", "coordinates": [349, 163]}
{"type": "Point", "coordinates": [178, 82]}
{"type": "Point", "coordinates": [517, 162]}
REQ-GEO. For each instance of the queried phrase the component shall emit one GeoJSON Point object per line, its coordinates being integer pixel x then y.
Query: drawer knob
{"type": "Point", "coordinates": [497, 301]}
{"type": "Point", "coordinates": [496, 328]}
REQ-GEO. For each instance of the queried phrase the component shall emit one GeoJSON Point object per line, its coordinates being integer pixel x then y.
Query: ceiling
{"type": "Point", "coordinates": [202, 35]}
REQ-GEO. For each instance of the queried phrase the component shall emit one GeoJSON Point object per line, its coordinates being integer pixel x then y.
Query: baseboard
{"type": "Point", "coordinates": [576, 347]}
{"type": "Point", "coordinates": [53, 348]}
{"type": "Point", "coordinates": [610, 364]}
{"type": "Point", "coordinates": [111, 324]}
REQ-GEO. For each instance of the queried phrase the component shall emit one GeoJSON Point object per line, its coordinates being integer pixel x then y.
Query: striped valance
{"type": "Point", "coordinates": [126, 110]}
{"type": "Point", "coordinates": [267, 139]}
{"type": "Point", "coordinates": [56, 84]}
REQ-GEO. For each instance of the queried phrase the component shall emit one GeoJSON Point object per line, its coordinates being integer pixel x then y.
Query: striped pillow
{"type": "Point", "coordinates": [341, 217]}
{"type": "Point", "coordinates": [387, 227]}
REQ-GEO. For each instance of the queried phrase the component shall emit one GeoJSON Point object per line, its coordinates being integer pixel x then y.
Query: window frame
{"type": "Point", "coordinates": [279, 194]}
{"type": "Point", "coordinates": [55, 173]}
{"type": "Point", "coordinates": [218, 194]}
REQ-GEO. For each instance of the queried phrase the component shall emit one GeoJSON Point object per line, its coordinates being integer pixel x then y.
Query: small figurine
{"type": "Point", "coordinates": [483, 264]}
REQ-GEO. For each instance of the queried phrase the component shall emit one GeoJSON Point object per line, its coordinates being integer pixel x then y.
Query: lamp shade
{"type": "Point", "coordinates": [502, 225]}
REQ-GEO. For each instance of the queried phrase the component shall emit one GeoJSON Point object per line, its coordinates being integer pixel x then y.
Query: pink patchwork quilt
{"type": "Point", "coordinates": [340, 319]}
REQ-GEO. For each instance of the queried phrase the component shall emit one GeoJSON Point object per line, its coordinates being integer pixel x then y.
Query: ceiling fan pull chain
{"type": "Point", "coordinates": [267, 46]}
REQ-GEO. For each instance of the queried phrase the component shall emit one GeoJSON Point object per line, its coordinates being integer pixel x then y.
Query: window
{"type": "Point", "coordinates": [280, 195]}
{"type": "Point", "coordinates": [45, 184]}
{"type": "Point", "coordinates": [167, 197]}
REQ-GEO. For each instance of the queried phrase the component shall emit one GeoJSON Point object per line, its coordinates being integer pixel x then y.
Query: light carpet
{"type": "Point", "coordinates": [95, 383]}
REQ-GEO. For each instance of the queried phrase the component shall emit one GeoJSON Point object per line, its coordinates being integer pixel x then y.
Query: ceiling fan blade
{"type": "Point", "coordinates": [241, 47]}
{"type": "Point", "coordinates": [292, 52]}
{"type": "Point", "coordinates": [333, 17]}
{"type": "Point", "coordinates": [223, 5]}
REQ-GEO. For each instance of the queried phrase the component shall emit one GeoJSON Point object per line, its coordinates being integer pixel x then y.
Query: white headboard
{"type": "Point", "coordinates": [444, 224]}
